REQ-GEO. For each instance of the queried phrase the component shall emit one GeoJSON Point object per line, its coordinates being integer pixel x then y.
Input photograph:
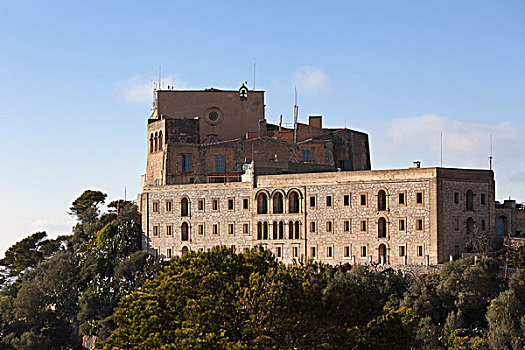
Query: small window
{"type": "Point", "coordinates": [419, 250]}
{"type": "Point", "coordinates": [419, 197]}
{"type": "Point", "coordinates": [329, 252]}
{"type": "Point", "coordinates": [346, 200]}
{"type": "Point", "coordinates": [246, 229]}
{"type": "Point", "coordinates": [401, 198]}
{"type": "Point", "coordinates": [231, 228]}
{"type": "Point", "coordinates": [312, 201]}
{"type": "Point", "coordinates": [419, 224]}
{"type": "Point", "coordinates": [215, 229]}
{"type": "Point", "coordinates": [245, 203]}
{"type": "Point", "coordinates": [312, 226]}
{"type": "Point", "coordinates": [456, 224]}
{"type": "Point", "coordinates": [456, 197]}
{"type": "Point", "coordinates": [169, 206]}
{"type": "Point", "coordinates": [156, 207]}
{"type": "Point", "coordinates": [186, 163]}
{"type": "Point", "coordinates": [169, 230]}
{"type": "Point", "coordinates": [155, 230]}
{"type": "Point", "coordinates": [363, 225]}
{"type": "Point", "coordinates": [328, 201]}
{"type": "Point", "coordinates": [402, 225]}
{"type": "Point", "coordinates": [231, 203]}
{"type": "Point", "coordinates": [312, 252]}
{"type": "Point", "coordinates": [278, 252]}
{"type": "Point", "coordinates": [156, 252]}
{"type": "Point", "coordinates": [168, 253]}
{"type": "Point", "coordinates": [215, 204]}
{"type": "Point", "coordinates": [329, 226]}
{"type": "Point", "coordinates": [220, 163]}
{"type": "Point", "coordinates": [305, 155]}
{"type": "Point", "coordinates": [483, 198]}
{"type": "Point", "coordinates": [201, 229]}
{"type": "Point", "coordinates": [200, 205]}
{"type": "Point", "coordinates": [402, 250]}
{"type": "Point", "coordinates": [295, 252]}
{"type": "Point", "coordinates": [362, 201]}
{"type": "Point", "coordinates": [346, 226]}
{"type": "Point", "coordinates": [483, 225]}
{"type": "Point", "coordinates": [346, 251]}
{"type": "Point", "coordinates": [339, 141]}
{"type": "Point", "coordinates": [363, 251]}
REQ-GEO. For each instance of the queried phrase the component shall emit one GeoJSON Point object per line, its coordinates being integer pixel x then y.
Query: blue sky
{"type": "Point", "coordinates": [75, 79]}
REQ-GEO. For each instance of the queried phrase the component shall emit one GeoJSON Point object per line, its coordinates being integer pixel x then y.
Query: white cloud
{"type": "Point", "coordinates": [310, 80]}
{"type": "Point", "coordinates": [138, 89]}
{"type": "Point", "coordinates": [465, 145]}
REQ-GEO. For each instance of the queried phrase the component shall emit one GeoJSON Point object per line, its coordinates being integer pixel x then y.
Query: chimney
{"type": "Point", "coordinates": [416, 164]}
{"type": "Point", "coordinates": [316, 120]}
{"type": "Point", "coordinates": [262, 127]}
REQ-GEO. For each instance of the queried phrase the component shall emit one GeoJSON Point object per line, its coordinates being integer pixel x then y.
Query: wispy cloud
{"type": "Point", "coordinates": [311, 80]}
{"type": "Point", "coordinates": [138, 89]}
{"type": "Point", "coordinates": [465, 144]}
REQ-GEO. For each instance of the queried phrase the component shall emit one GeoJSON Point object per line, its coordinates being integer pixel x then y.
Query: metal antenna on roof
{"type": "Point", "coordinates": [490, 156]}
{"type": "Point", "coordinates": [295, 115]}
{"type": "Point", "coordinates": [160, 76]}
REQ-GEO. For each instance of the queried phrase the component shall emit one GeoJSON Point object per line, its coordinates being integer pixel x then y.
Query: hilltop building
{"type": "Point", "coordinates": [219, 174]}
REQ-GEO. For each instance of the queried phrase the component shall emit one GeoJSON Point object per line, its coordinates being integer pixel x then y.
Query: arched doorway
{"type": "Point", "coordinates": [293, 202]}
{"type": "Point", "coordinates": [184, 207]}
{"type": "Point", "coordinates": [470, 226]}
{"type": "Point", "coordinates": [278, 201]}
{"type": "Point", "coordinates": [262, 203]}
{"type": "Point", "coordinates": [381, 228]}
{"type": "Point", "coordinates": [470, 200]}
{"type": "Point", "coordinates": [185, 250]}
{"type": "Point", "coordinates": [184, 231]}
{"type": "Point", "coordinates": [502, 225]}
{"type": "Point", "coordinates": [381, 200]}
{"type": "Point", "coordinates": [383, 257]}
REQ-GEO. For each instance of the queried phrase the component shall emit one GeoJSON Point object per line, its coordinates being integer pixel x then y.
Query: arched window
{"type": "Point", "coordinates": [259, 230]}
{"type": "Point", "coordinates": [275, 234]}
{"type": "Point", "coordinates": [151, 143]}
{"type": "Point", "coordinates": [382, 250]}
{"type": "Point", "coordinates": [160, 140]}
{"type": "Point", "coordinates": [185, 251]}
{"type": "Point", "coordinates": [470, 200]}
{"type": "Point", "coordinates": [156, 142]}
{"type": "Point", "coordinates": [293, 202]}
{"type": "Point", "coordinates": [265, 230]}
{"type": "Point", "coordinates": [262, 203]}
{"type": "Point", "coordinates": [278, 203]}
{"type": "Point", "coordinates": [281, 230]}
{"type": "Point", "coordinates": [381, 200]}
{"type": "Point", "coordinates": [502, 225]}
{"type": "Point", "coordinates": [184, 231]}
{"type": "Point", "coordinates": [381, 228]}
{"type": "Point", "coordinates": [470, 226]}
{"type": "Point", "coordinates": [184, 207]}
{"type": "Point", "coordinates": [290, 230]}
{"type": "Point", "coordinates": [297, 230]}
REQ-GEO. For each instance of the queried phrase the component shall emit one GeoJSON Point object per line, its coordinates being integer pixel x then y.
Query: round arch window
{"type": "Point", "coordinates": [213, 116]}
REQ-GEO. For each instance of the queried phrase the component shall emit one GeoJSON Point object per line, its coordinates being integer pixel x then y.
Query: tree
{"type": "Point", "coordinates": [87, 202]}
{"type": "Point", "coordinates": [505, 317]}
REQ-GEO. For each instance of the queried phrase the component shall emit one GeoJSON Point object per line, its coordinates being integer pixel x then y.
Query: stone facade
{"type": "Point", "coordinates": [415, 216]}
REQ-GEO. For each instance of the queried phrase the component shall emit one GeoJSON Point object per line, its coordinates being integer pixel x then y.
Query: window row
{"type": "Point", "coordinates": [277, 230]}
{"type": "Point", "coordinates": [363, 200]}
{"type": "Point", "coordinates": [364, 252]}
{"type": "Point", "coordinates": [382, 226]}
{"type": "Point", "coordinates": [185, 205]}
{"type": "Point", "coordinates": [469, 199]}
{"type": "Point", "coordinates": [201, 229]}
{"type": "Point", "coordinates": [470, 225]}
{"type": "Point", "coordinates": [278, 202]}
{"type": "Point", "coordinates": [155, 141]}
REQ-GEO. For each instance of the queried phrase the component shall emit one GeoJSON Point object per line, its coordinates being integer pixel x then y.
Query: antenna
{"type": "Point", "coordinates": [442, 150]}
{"type": "Point", "coordinates": [254, 76]}
{"type": "Point", "coordinates": [124, 193]}
{"type": "Point", "coordinates": [490, 156]}
{"type": "Point", "coordinates": [160, 78]}
{"type": "Point", "coordinates": [295, 115]}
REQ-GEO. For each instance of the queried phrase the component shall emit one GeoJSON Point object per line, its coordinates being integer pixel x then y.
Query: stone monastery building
{"type": "Point", "coordinates": [218, 174]}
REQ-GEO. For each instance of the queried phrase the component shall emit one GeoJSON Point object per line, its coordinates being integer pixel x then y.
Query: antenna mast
{"type": "Point", "coordinates": [160, 78]}
{"type": "Point", "coordinates": [295, 115]}
{"type": "Point", "coordinates": [490, 156]}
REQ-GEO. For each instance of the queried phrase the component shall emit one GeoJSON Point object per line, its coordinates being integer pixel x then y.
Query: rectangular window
{"type": "Point", "coordinates": [345, 164]}
{"type": "Point", "coordinates": [483, 225]}
{"type": "Point", "coordinates": [346, 251]}
{"type": "Point", "coordinates": [401, 250]}
{"type": "Point", "coordinates": [363, 251]}
{"type": "Point", "coordinates": [339, 141]}
{"type": "Point", "coordinates": [328, 226]}
{"type": "Point", "coordinates": [156, 252]}
{"type": "Point", "coordinates": [230, 204]}
{"type": "Point", "coordinates": [328, 201]}
{"type": "Point", "coordinates": [346, 226]}
{"type": "Point", "coordinates": [245, 203]}
{"type": "Point", "coordinates": [186, 163]}
{"type": "Point", "coordinates": [246, 229]}
{"type": "Point", "coordinates": [231, 228]}
{"type": "Point", "coordinates": [401, 198]}
{"type": "Point", "coordinates": [456, 197]}
{"type": "Point", "coordinates": [201, 229]}
{"type": "Point", "coordinates": [306, 155]}
{"type": "Point", "coordinates": [329, 252]}
{"type": "Point", "coordinates": [419, 197]}
{"type": "Point", "coordinates": [169, 206]}
{"type": "Point", "coordinates": [456, 224]}
{"type": "Point", "coordinates": [200, 205]}
{"type": "Point", "coordinates": [220, 163]}
{"type": "Point", "coordinates": [215, 204]}
{"type": "Point", "coordinates": [156, 207]}
{"type": "Point", "coordinates": [483, 198]}
{"type": "Point", "coordinates": [312, 201]}
{"type": "Point", "coordinates": [419, 250]}
{"type": "Point", "coordinates": [402, 226]}
{"type": "Point", "coordinates": [155, 230]}
{"type": "Point", "coordinates": [362, 225]}
{"type": "Point", "coordinates": [346, 200]}
{"type": "Point", "coordinates": [169, 231]}
{"type": "Point", "coordinates": [215, 229]}
{"type": "Point", "coordinates": [312, 226]}
{"type": "Point", "coordinates": [168, 253]}
{"type": "Point", "coordinates": [419, 224]}
{"type": "Point", "coordinates": [278, 252]}
{"type": "Point", "coordinates": [295, 252]}
{"type": "Point", "coordinates": [312, 252]}
{"type": "Point", "coordinates": [362, 199]}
